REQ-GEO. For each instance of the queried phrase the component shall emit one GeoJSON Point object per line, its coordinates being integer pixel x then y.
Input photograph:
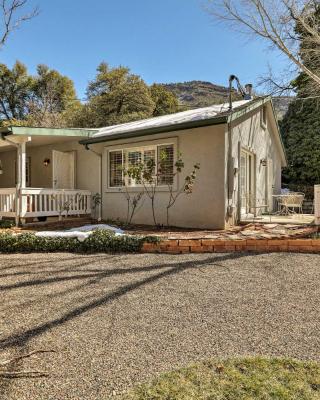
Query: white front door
{"type": "Point", "coordinates": [63, 169]}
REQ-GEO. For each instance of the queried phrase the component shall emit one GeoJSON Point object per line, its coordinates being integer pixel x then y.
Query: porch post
{"type": "Point", "coordinates": [21, 206]}
{"type": "Point", "coordinates": [22, 180]}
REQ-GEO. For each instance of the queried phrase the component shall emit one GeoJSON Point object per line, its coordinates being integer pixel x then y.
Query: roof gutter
{"type": "Point", "coordinates": [160, 129]}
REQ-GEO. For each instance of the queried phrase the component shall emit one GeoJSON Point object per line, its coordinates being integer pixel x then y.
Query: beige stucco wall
{"type": "Point", "coordinates": [248, 133]}
{"type": "Point", "coordinates": [7, 178]}
{"type": "Point", "coordinates": [87, 166]}
{"type": "Point", "coordinates": [204, 208]}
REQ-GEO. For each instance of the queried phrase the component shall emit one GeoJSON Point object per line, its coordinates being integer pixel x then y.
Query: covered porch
{"type": "Point", "coordinates": [42, 156]}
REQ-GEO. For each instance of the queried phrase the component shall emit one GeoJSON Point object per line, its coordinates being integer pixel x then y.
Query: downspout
{"type": "Point", "coordinates": [100, 189]}
{"type": "Point", "coordinates": [18, 185]}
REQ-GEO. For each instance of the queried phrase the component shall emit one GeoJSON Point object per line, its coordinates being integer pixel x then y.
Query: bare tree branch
{"type": "Point", "coordinates": [12, 18]}
{"type": "Point", "coordinates": [275, 21]}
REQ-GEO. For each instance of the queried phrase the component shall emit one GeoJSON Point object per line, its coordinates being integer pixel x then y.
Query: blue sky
{"type": "Point", "coordinates": [161, 40]}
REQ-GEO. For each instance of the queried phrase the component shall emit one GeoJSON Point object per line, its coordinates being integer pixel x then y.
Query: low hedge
{"type": "Point", "coordinates": [98, 242]}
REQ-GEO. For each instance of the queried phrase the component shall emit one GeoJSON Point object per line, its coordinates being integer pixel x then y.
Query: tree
{"type": "Point", "coordinates": [187, 182]}
{"type": "Point", "coordinates": [12, 18]}
{"type": "Point", "coordinates": [300, 130]}
{"type": "Point", "coordinates": [300, 126]}
{"type": "Point", "coordinates": [275, 21]}
{"type": "Point", "coordinates": [310, 56]}
{"type": "Point", "coordinates": [165, 101]}
{"type": "Point", "coordinates": [116, 96]}
{"type": "Point", "coordinates": [47, 99]}
{"type": "Point", "coordinates": [53, 96]}
{"type": "Point", "coordinates": [15, 92]}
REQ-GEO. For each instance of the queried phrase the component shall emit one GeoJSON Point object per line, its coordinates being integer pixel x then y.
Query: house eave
{"type": "Point", "coordinates": [40, 131]}
{"type": "Point", "coordinates": [155, 130]}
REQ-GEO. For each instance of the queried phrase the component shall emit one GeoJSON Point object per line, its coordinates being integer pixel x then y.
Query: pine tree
{"type": "Point", "coordinates": [300, 127]}
{"type": "Point", "coordinates": [165, 101]}
{"type": "Point", "coordinates": [116, 96]}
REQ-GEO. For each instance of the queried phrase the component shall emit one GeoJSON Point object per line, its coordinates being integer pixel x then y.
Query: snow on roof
{"type": "Point", "coordinates": [198, 114]}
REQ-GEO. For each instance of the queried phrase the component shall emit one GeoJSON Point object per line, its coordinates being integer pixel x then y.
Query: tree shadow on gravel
{"type": "Point", "coordinates": [166, 270]}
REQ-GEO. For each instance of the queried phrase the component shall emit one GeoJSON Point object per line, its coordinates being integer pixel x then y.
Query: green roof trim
{"type": "Point", "coordinates": [34, 131]}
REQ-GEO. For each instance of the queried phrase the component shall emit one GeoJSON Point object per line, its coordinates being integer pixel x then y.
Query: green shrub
{"type": "Point", "coordinates": [6, 224]}
{"type": "Point", "coordinates": [98, 242]}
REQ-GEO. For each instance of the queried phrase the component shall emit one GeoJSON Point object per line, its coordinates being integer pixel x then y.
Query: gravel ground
{"type": "Point", "coordinates": [115, 321]}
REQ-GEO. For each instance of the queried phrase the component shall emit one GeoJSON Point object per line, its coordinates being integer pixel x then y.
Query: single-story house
{"type": "Point", "coordinates": [239, 150]}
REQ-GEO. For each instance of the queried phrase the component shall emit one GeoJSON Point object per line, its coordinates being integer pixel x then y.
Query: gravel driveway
{"type": "Point", "coordinates": [116, 320]}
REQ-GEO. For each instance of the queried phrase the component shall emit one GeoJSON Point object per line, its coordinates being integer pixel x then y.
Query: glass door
{"type": "Point", "coordinates": [246, 181]}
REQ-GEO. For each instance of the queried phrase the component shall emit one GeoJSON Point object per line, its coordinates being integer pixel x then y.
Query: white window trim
{"type": "Point", "coordinates": [138, 147]}
{"type": "Point", "coordinates": [263, 113]}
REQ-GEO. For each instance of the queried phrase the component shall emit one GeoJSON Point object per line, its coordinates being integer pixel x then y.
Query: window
{"type": "Point", "coordinates": [122, 159]}
{"type": "Point", "coordinates": [165, 176]}
{"type": "Point", "coordinates": [115, 168]}
{"type": "Point", "coordinates": [263, 117]}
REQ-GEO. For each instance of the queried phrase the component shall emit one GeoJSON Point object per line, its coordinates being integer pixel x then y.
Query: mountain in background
{"type": "Point", "coordinates": [195, 94]}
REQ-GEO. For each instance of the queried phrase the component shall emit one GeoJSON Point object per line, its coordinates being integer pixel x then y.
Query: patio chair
{"type": "Point", "coordinates": [291, 202]}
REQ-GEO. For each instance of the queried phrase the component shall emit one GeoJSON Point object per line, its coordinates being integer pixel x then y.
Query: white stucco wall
{"type": "Point", "coordinates": [249, 134]}
{"type": "Point", "coordinates": [204, 208]}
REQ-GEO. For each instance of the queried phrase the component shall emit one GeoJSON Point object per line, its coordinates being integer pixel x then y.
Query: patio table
{"type": "Point", "coordinates": [280, 199]}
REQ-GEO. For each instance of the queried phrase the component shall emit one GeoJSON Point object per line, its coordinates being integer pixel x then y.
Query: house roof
{"type": "Point", "coordinates": [212, 115]}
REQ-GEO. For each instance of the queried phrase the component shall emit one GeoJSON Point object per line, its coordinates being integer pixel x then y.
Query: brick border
{"type": "Point", "coordinates": [174, 246]}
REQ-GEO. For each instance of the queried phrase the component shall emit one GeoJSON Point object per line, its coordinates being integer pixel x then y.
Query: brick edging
{"type": "Point", "coordinates": [174, 246]}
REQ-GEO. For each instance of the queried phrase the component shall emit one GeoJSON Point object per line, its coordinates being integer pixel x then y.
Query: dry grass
{"type": "Point", "coordinates": [239, 379]}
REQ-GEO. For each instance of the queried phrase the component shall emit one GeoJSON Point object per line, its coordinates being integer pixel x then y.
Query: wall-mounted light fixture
{"type": "Point", "coordinates": [263, 162]}
{"type": "Point", "coordinates": [46, 162]}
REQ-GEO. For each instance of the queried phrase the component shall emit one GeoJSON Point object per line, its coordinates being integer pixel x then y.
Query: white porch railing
{"type": "Point", "coordinates": [8, 202]}
{"type": "Point", "coordinates": [33, 202]}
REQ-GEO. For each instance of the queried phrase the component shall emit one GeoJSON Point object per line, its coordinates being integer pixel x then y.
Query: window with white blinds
{"type": "Point", "coordinates": [125, 158]}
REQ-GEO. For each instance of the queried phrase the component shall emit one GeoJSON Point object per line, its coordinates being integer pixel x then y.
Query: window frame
{"type": "Point", "coordinates": [144, 146]}
{"type": "Point", "coordinates": [263, 117]}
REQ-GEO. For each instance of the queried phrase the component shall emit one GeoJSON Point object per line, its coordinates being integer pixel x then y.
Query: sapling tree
{"type": "Point", "coordinates": [147, 175]}
{"type": "Point", "coordinates": [134, 199]}
{"type": "Point", "coordinates": [188, 181]}
{"type": "Point", "coordinates": [144, 174]}
{"type": "Point", "coordinates": [149, 180]}
{"type": "Point", "coordinates": [96, 202]}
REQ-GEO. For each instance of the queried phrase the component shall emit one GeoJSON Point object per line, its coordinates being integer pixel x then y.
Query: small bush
{"type": "Point", "coordinates": [6, 224]}
{"type": "Point", "coordinates": [98, 242]}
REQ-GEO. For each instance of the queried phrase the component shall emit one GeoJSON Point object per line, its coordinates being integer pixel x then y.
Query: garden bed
{"type": "Point", "coordinates": [251, 237]}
